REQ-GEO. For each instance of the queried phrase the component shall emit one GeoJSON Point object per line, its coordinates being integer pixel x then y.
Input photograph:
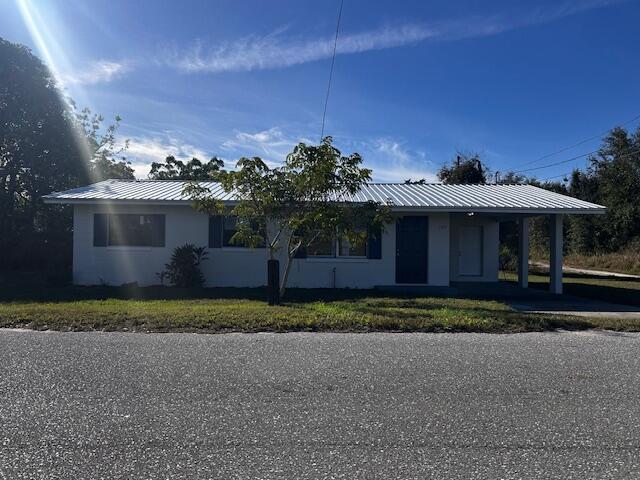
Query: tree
{"type": "Point", "coordinates": [287, 208]}
{"type": "Point", "coordinates": [466, 169]}
{"type": "Point", "coordinates": [194, 169]}
{"type": "Point", "coordinates": [612, 179]}
{"type": "Point", "coordinates": [38, 155]}
{"type": "Point", "coordinates": [43, 148]}
{"type": "Point", "coordinates": [106, 155]}
{"type": "Point", "coordinates": [410, 181]}
{"type": "Point", "coordinates": [512, 177]}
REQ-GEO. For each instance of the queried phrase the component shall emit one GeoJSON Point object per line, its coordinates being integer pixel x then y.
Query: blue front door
{"type": "Point", "coordinates": [412, 235]}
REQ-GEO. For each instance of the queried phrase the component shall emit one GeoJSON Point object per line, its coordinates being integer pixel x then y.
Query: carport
{"type": "Point", "coordinates": [555, 252]}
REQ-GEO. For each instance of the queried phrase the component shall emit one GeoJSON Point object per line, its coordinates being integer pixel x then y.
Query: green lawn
{"type": "Point", "coordinates": [243, 310]}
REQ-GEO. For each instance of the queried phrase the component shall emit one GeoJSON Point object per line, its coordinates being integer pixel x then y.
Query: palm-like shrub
{"type": "Point", "coordinates": [183, 270]}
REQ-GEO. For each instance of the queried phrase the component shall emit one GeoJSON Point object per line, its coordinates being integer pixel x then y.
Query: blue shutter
{"type": "Point", "coordinates": [374, 250]}
{"type": "Point", "coordinates": [215, 231]}
{"type": "Point", "coordinates": [100, 229]}
{"type": "Point", "coordinates": [157, 230]}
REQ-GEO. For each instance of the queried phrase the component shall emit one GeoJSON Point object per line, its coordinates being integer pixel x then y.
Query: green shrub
{"type": "Point", "coordinates": [508, 259]}
{"type": "Point", "coordinates": [183, 270]}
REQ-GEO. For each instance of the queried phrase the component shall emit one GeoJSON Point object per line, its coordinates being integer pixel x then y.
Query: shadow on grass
{"type": "Point", "coordinates": [74, 293]}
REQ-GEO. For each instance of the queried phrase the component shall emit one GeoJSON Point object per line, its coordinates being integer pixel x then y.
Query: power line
{"type": "Point", "coordinates": [333, 61]}
{"type": "Point", "coordinates": [572, 159]}
{"type": "Point", "coordinates": [556, 163]}
{"type": "Point", "coordinates": [555, 176]}
{"type": "Point", "coordinates": [637, 117]}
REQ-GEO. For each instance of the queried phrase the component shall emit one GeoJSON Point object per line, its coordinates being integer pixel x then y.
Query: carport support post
{"type": "Point", "coordinates": [555, 254]}
{"type": "Point", "coordinates": [523, 252]}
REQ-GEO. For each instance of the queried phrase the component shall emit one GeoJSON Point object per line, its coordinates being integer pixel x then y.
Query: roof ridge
{"type": "Point", "coordinates": [152, 180]}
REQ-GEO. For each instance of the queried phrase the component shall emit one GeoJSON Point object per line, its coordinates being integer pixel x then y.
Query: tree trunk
{"type": "Point", "coordinates": [273, 282]}
{"type": "Point", "coordinates": [283, 285]}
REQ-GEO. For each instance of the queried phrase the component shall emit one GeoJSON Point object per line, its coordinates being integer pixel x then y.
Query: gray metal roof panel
{"type": "Point", "coordinates": [398, 195]}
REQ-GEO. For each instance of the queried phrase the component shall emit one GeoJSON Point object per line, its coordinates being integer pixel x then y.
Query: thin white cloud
{"type": "Point", "coordinates": [278, 51]}
{"type": "Point", "coordinates": [145, 150]}
{"type": "Point", "coordinates": [391, 162]}
{"type": "Point", "coordinates": [272, 145]}
{"type": "Point", "coordinates": [101, 71]}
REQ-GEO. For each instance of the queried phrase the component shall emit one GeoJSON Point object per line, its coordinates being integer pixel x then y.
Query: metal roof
{"type": "Point", "coordinates": [400, 196]}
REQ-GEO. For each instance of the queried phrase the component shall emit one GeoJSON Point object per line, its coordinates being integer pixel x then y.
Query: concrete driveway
{"type": "Point", "coordinates": [575, 306]}
{"type": "Point", "coordinates": [362, 406]}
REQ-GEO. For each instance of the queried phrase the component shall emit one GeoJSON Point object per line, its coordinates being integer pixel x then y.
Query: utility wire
{"type": "Point", "coordinates": [637, 117]}
{"type": "Point", "coordinates": [333, 61]}
{"type": "Point", "coordinates": [572, 159]}
{"type": "Point", "coordinates": [556, 163]}
{"type": "Point", "coordinates": [556, 176]}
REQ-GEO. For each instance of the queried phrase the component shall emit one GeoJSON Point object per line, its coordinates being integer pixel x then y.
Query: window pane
{"type": "Point", "coordinates": [348, 250]}
{"type": "Point", "coordinates": [321, 247]}
{"type": "Point", "coordinates": [228, 230]}
{"type": "Point", "coordinates": [131, 230]}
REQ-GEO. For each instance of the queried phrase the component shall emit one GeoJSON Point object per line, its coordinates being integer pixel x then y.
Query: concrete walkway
{"type": "Point", "coordinates": [584, 271]}
{"type": "Point", "coordinates": [576, 306]}
{"type": "Point", "coordinates": [541, 301]}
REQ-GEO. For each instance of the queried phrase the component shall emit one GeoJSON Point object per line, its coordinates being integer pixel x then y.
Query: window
{"type": "Point", "coordinates": [322, 247]}
{"type": "Point", "coordinates": [229, 230]}
{"type": "Point", "coordinates": [131, 230]}
{"type": "Point", "coordinates": [229, 227]}
{"type": "Point", "coordinates": [340, 247]}
{"type": "Point", "coordinates": [345, 249]}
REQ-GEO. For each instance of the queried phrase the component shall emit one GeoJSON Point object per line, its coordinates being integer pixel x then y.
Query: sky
{"type": "Point", "coordinates": [414, 82]}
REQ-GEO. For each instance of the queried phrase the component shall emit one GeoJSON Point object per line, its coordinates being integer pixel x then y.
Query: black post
{"type": "Point", "coordinates": [273, 282]}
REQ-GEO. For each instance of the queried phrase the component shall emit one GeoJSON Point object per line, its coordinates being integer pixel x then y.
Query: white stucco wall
{"type": "Point", "coordinates": [490, 248]}
{"type": "Point", "coordinates": [241, 267]}
{"type": "Point", "coordinates": [238, 267]}
{"type": "Point", "coordinates": [439, 247]}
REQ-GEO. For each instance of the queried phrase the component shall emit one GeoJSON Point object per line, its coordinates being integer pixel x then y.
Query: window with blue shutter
{"type": "Point", "coordinates": [215, 231]}
{"type": "Point", "coordinates": [100, 229]}
{"type": "Point", "coordinates": [128, 230]}
{"type": "Point", "coordinates": [374, 240]}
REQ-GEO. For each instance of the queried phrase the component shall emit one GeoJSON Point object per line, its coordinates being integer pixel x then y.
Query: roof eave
{"type": "Point", "coordinates": [397, 209]}
{"type": "Point", "coordinates": [113, 201]}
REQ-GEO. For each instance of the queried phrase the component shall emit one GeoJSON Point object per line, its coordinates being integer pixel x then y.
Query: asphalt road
{"type": "Point", "coordinates": [298, 406]}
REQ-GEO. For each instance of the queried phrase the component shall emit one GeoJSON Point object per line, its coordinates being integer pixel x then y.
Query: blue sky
{"type": "Point", "coordinates": [413, 83]}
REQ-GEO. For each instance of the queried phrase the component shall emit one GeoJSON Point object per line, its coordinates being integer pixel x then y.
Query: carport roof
{"type": "Point", "coordinates": [431, 197]}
